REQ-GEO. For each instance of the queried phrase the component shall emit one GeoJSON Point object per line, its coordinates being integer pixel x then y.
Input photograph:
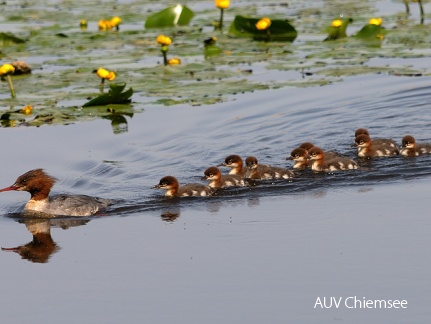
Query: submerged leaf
{"type": "Point", "coordinates": [279, 30]}
{"type": "Point", "coordinates": [114, 96]}
{"type": "Point", "coordinates": [8, 38]}
{"type": "Point", "coordinates": [172, 16]}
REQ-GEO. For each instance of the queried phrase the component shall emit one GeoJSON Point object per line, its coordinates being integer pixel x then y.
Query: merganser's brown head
{"type": "Point", "coordinates": [298, 154]}
{"type": "Point", "coordinates": [316, 153]}
{"type": "Point", "coordinates": [306, 146]}
{"type": "Point", "coordinates": [233, 161]}
{"type": "Point", "coordinates": [37, 182]}
{"type": "Point", "coordinates": [251, 162]}
{"type": "Point", "coordinates": [170, 184]}
{"type": "Point", "coordinates": [409, 141]}
{"type": "Point", "coordinates": [361, 131]}
{"type": "Point", "coordinates": [362, 140]}
{"type": "Point", "coordinates": [212, 173]}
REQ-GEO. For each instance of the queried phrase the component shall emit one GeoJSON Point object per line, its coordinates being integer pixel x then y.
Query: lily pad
{"type": "Point", "coordinates": [177, 15]}
{"type": "Point", "coordinates": [279, 30]}
{"type": "Point", "coordinates": [371, 31]}
{"type": "Point", "coordinates": [115, 95]}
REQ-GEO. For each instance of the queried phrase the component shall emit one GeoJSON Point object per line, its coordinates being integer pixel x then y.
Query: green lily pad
{"type": "Point", "coordinates": [279, 30]}
{"type": "Point", "coordinates": [115, 95]}
{"type": "Point", "coordinates": [338, 32]}
{"type": "Point", "coordinates": [177, 15]}
{"type": "Point", "coordinates": [370, 31]}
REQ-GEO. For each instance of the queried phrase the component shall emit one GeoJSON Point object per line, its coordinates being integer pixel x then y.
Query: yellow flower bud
{"type": "Point", "coordinates": [26, 110]}
{"type": "Point", "coordinates": [115, 21]}
{"type": "Point", "coordinates": [337, 23]}
{"type": "Point", "coordinates": [105, 74]}
{"type": "Point", "coordinates": [263, 23]}
{"type": "Point", "coordinates": [104, 25]}
{"type": "Point", "coordinates": [375, 21]}
{"type": "Point", "coordinates": [110, 76]}
{"type": "Point", "coordinates": [164, 40]}
{"type": "Point", "coordinates": [174, 61]}
{"type": "Point", "coordinates": [6, 69]}
{"type": "Point", "coordinates": [83, 23]}
{"type": "Point", "coordinates": [222, 4]}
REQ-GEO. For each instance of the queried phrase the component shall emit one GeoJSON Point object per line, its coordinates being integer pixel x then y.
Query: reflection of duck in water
{"type": "Point", "coordinates": [40, 249]}
{"type": "Point", "coordinates": [39, 184]}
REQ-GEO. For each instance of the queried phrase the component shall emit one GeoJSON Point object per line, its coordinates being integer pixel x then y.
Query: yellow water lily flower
{"type": "Point", "coordinates": [105, 74]}
{"type": "Point", "coordinates": [174, 61]}
{"type": "Point", "coordinates": [222, 4]}
{"type": "Point", "coordinates": [83, 23]}
{"type": "Point", "coordinates": [6, 69]}
{"type": "Point", "coordinates": [105, 25]}
{"type": "Point", "coordinates": [337, 23]}
{"type": "Point", "coordinates": [164, 40]}
{"type": "Point", "coordinates": [375, 21]}
{"type": "Point", "coordinates": [115, 21]}
{"type": "Point", "coordinates": [263, 23]}
{"type": "Point", "coordinates": [26, 110]}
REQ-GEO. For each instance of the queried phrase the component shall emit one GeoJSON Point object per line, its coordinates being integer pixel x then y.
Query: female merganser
{"type": "Point", "coordinates": [366, 148]}
{"type": "Point", "coordinates": [260, 171]}
{"type": "Point", "coordinates": [235, 163]}
{"type": "Point", "coordinates": [39, 184]}
{"type": "Point", "coordinates": [376, 141]}
{"type": "Point", "coordinates": [319, 162]}
{"type": "Point", "coordinates": [411, 148]}
{"type": "Point", "coordinates": [299, 155]}
{"type": "Point", "coordinates": [173, 189]}
{"type": "Point", "coordinates": [217, 180]}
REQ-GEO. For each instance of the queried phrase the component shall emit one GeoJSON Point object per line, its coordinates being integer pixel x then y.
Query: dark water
{"type": "Point", "coordinates": [258, 254]}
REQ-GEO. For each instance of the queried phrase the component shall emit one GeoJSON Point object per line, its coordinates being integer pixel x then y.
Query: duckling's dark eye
{"type": "Point", "coordinates": [24, 180]}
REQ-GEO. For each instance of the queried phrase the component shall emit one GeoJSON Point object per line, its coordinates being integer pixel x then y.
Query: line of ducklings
{"type": "Point", "coordinates": [306, 156]}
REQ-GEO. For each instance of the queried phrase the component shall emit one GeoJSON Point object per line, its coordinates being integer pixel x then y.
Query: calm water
{"type": "Point", "coordinates": [261, 254]}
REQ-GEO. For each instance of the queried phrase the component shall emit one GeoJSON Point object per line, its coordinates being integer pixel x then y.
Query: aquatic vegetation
{"type": "Point", "coordinates": [214, 65]}
{"type": "Point", "coordinates": [115, 95]}
{"type": "Point", "coordinates": [103, 24]}
{"type": "Point", "coordinates": [165, 41]}
{"type": "Point", "coordinates": [5, 71]}
{"type": "Point", "coordinates": [104, 74]}
{"type": "Point", "coordinates": [177, 15]}
{"type": "Point", "coordinates": [222, 5]}
{"type": "Point", "coordinates": [263, 29]}
{"type": "Point", "coordinates": [338, 29]}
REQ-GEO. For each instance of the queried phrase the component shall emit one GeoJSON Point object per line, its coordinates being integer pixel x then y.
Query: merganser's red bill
{"type": "Point", "coordinates": [9, 188]}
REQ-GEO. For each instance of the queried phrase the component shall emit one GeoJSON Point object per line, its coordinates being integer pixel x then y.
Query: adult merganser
{"type": "Point", "coordinates": [39, 184]}
{"type": "Point", "coordinates": [173, 189]}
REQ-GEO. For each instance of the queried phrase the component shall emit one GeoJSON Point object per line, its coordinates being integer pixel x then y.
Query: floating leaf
{"type": "Point", "coordinates": [280, 30]}
{"type": "Point", "coordinates": [172, 16]}
{"type": "Point", "coordinates": [8, 38]}
{"type": "Point", "coordinates": [115, 95]}
{"type": "Point", "coordinates": [212, 50]}
{"type": "Point", "coordinates": [371, 31]}
{"type": "Point", "coordinates": [337, 32]}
